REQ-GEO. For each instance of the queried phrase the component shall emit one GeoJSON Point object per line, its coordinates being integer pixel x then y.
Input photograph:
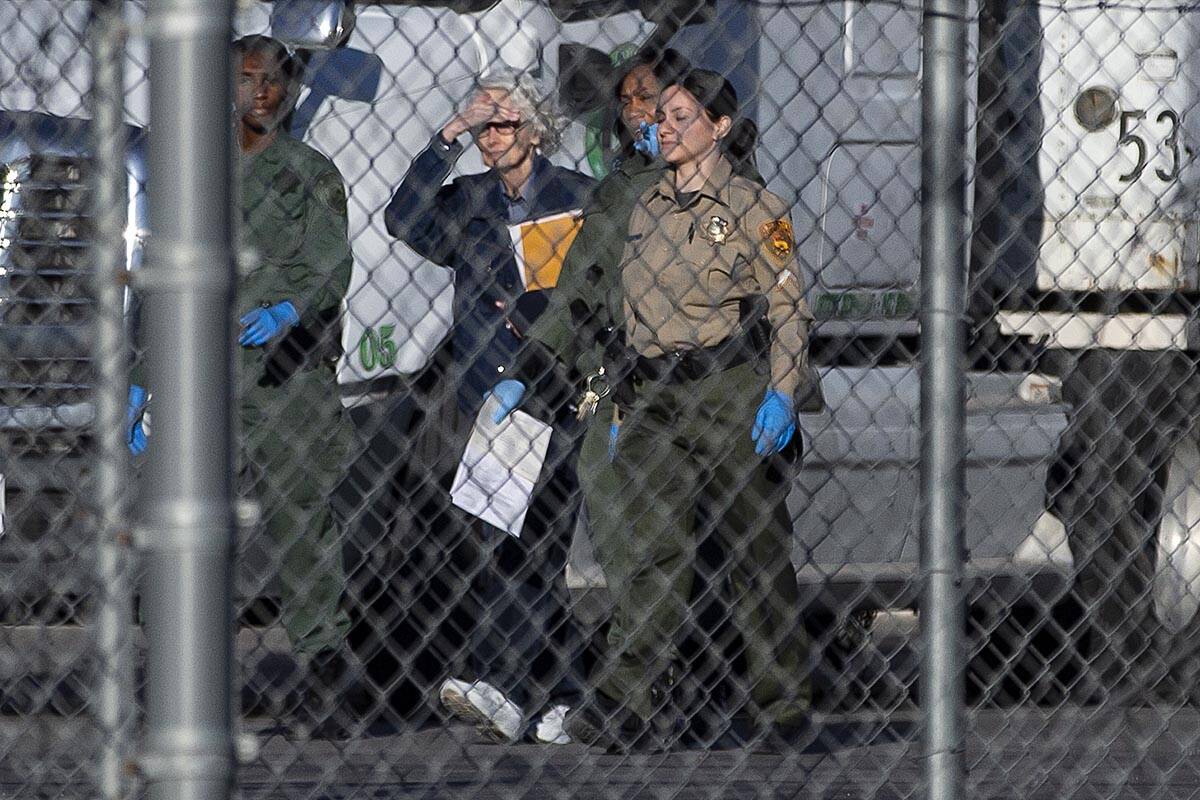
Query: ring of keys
{"type": "Point", "coordinates": [592, 396]}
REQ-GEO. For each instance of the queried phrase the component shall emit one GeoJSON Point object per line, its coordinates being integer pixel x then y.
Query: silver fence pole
{"type": "Point", "coordinates": [187, 529]}
{"type": "Point", "coordinates": [111, 485]}
{"type": "Point", "coordinates": [943, 239]}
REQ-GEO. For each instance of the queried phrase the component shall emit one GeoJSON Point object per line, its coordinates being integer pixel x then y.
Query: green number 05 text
{"type": "Point", "coordinates": [376, 349]}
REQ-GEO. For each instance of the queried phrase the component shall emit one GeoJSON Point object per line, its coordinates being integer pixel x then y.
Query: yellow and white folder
{"type": "Point", "coordinates": [542, 244]}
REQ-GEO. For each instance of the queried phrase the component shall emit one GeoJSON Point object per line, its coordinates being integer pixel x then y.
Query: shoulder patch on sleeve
{"type": "Point", "coordinates": [777, 239]}
{"type": "Point", "coordinates": [329, 190]}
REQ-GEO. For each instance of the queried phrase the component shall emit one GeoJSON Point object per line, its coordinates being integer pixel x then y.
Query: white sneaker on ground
{"type": "Point", "coordinates": [495, 715]}
{"type": "Point", "coordinates": [550, 726]}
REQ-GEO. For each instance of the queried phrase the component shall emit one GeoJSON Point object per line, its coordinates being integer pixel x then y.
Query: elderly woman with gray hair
{"type": "Point", "coordinates": [524, 650]}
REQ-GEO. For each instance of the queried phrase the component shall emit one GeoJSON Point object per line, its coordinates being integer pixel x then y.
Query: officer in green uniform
{"type": "Point", "coordinates": [293, 270]}
{"type": "Point", "coordinates": [292, 275]}
{"type": "Point", "coordinates": [701, 410]}
{"type": "Point", "coordinates": [587, 299]}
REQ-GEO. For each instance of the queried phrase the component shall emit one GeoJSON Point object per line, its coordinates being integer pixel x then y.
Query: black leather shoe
{"type": "Point", "coordinates": [745, 733]}
{"type": "Point", "coordinates": [602, 722]}
{"type": "Point", "coordinates": [322, 711]}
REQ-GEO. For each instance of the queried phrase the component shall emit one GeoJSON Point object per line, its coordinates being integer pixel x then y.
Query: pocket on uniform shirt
{"type": "Point", "coordinates": [722, 273]}
{"type": "Point", "coordinates": [276, 226]}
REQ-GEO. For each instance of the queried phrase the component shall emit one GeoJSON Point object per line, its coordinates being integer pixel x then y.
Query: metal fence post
{"type": "Point", "coordinates": [188, 522]}
{"type": "Point", "coordinates": [110, 351]}
{"type": "Point", "coordinates": [943, 238]}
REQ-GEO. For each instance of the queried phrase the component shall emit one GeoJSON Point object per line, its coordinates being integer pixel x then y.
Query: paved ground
{"type": "Point", "coordinates": [1072, 753]}
{"type": "Point", "coordinates": [1069, 753]}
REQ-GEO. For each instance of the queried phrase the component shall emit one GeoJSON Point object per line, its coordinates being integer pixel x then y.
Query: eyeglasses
{"type": "Point", "coordinates": [506, 128]}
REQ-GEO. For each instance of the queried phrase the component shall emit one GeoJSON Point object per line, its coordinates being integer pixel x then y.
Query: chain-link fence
{"type": "Point", "coordinates": [559, 368]}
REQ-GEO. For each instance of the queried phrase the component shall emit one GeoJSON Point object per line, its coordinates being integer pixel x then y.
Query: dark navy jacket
{"type": "Point", "coordinates": [464, 226]}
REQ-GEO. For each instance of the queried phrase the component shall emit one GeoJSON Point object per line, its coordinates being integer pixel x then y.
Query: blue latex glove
{"type": "Point", "coordinates": [261, 325]}
{"type": "Point", "coordinates": [647, 140]}
{"type": "Point", "coordinates": [135, 434]}
{"type": "Point", "coordinates": [613, 430]}
{"type": "Point", "coordinates": [774, 424]}
{"type": "Point", "coordinates": [509, 393]}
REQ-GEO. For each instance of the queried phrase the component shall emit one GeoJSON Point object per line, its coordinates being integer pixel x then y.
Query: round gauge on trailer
{"type": "Point", "coordinates": [1096, 107]}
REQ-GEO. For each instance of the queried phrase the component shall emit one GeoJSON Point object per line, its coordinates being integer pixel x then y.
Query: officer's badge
{"type": "Point", "coordinates": [777, 239]}
{"type": "Point", "coordinates": [717, 230]}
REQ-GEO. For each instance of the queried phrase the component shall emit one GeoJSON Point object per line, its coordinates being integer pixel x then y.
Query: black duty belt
{"type": "Point", "coordinates": [682, 366]}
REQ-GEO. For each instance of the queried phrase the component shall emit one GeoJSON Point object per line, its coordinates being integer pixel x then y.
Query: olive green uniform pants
{"type": "Point", "coordinates": [682, 448]}
{"type": "Point", "coordinates": [295, 447]}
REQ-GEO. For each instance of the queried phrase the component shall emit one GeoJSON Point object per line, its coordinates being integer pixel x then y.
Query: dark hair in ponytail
{"type": "Point", "coordinates": [714, 91]}
{"type": "Point", "coordinates": [740, 146]}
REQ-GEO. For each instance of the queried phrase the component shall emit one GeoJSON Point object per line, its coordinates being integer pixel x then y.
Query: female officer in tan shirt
{"type": "Point", "coordinates": [700, 410]}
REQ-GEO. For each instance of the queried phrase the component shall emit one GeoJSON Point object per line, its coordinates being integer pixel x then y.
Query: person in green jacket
{"type": "Point", "coordinates": [586, 308]}
{"type": "Point", "coordinates": [588, 294]}
{"type": "Point", "coordinates": [293, 271]}
{"type": "Point", "coordinates": [295, 440]}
